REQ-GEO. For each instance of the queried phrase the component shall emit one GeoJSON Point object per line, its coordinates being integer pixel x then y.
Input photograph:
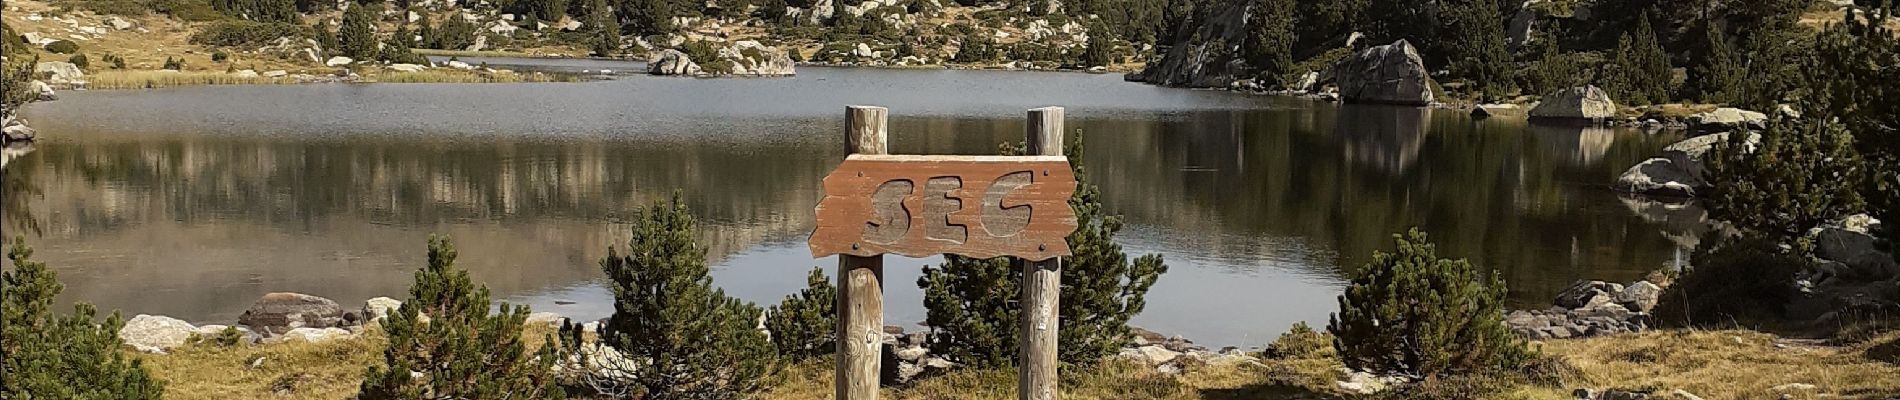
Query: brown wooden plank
{"type": "Point", "coordinates": [977, 206]}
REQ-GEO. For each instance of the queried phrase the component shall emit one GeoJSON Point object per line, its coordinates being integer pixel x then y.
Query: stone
{"type": "Point", "coordinates": [1363, 383]}
{"type": "Point", "coordinates": [548, 318]}
{"type": "Point", "coordinates": [311, 54]}
{"type": "Point", "coordinates": [280, 312]}
{"type": "Point", "coordinates": [1860, 252]}
{"type": "Point", "coordinates": [60, 71]}
{"type": "Point", "coordinates": [316, 335]}
{"type": "Point", "coordinates": [458, 64]}
{"type": "Point", "coordinates": [1661, 177]}
{"type": "Point", "coordinates": [43, 91]}
{"type": "Point", "coordinates": [1615, 394]}
{"type": "Point", "coordinates": [246, 73]}
{"type": "Point", "coordinates": [1640, 296]}
{"type": "Point", "coordinates": [1153, 354]}
{"type": "Point", "coordinates": [1584, 394]}
{"type": "Point", "coordinates": [406, 67]}
{"type": "Point", "coordinates": [672, 62]}
{"type": "Point", "coordinates": [276, 73]}
{"type": "Point", "coordinates": [1388, 74]}
{"type": "Point", "coordinates": [1684, 395]}
{"type": "Point", "coordinates": [155, 333]}
{"type": "Point", "coordinates": [380, 307]}
{"type": "Point", "coordinates": [1728, 119]}
{"type": "Point", "coordinates": [338, 61]}
{"type": "Point", "coordinates": [119, 23]}
{"type": "Point", "coordinates": [16, 130]}
{"type": "Point", "coordinates": [1793, 387]}
{"type": "Point", "coordinates": [481, 42]}
{"type": "Point", "coordinates": [750, 58]}
{"type": "Point", "coordinates": [1587, 103]}
{"type": "Point", "coordinates": [1582, 293]}
{"type": "Point", "coordinates": [1306, 82]}
{"type": "Point", "coordinates": [1203, 59]}
{"type": "Point", "coordinates": [1483, 111]}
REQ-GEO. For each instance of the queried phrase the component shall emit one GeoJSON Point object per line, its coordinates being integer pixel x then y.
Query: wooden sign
{"type": "Point", "coordinates": [976, 206]}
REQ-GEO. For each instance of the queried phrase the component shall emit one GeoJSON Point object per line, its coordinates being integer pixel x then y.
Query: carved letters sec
{"type": "Point", "coordinates": [977, 206]}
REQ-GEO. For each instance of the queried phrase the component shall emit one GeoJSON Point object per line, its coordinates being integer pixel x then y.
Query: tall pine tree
{"type": "Point", "coordinates": [461, 351]}
{"type": "Point", "coordinates": [1641, 72]}
{"type": "Point", "coordinates": [1474, 36]}
{"type": "Point", "coordinates": [357, 38]}
{"type": "Point", "coordinates": [1718, 74]}
{"type": "Point", "coordinates": [1270, 39]}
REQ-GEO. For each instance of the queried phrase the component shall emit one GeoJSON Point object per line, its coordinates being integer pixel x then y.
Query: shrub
{"type": "Point", "coordinates": [1802, 174]}
{"type": "Point", "coordinates": [1414, 313]}
{"type": "Point", "coordinates": [11, 42]}
{"type": "Point", "coordinates": [1301, 342]}
{"type": "Point", "coordinates": [462, 351]}
{"type": "Point", "coordinates": [683, 338]}
{"type": "Point", "coordinates": [1744, 280]}
{"type": "Point", "coordinates": [1553, 69]}
{"type": "Point", "coordinates": [220, 56]}
{"type": "Point", "coordinates": [244, 33]}
{"type": "Point", "coordinates": [110, 7]}
{"type": "Point", "coordinates": [60, 357]}
{"type": "Point", "coordinates": [62, 47]}
{"type": "Point", "coordinates": [113, 60]}
{"type": "Point", "coordinates": [17, 69]}
{"type": "Point", "coordinates": [971, 304]}
{"type": "Point", "coordinates": [260, 10]}
{"type": "Point", "coordinates": [357, 38]}
{"type": "Point", "coordinates": [175, 64]}
{"type": "Point", "coordinates": [188, 10]}
{"type": "Point", "coordinates": [79, 60]}
{"type": "Point", "coordinates": [805, 324]}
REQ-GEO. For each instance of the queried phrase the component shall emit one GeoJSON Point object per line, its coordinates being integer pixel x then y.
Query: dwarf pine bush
{"type": "Point", "coordinates": [49, 356]}
{"type": "Point", "coordinates": [972, 304]}
{"type": "Point", "coordinates": [805, 325]}
{"type": "Point", "coordinates": [672, 334]}
{"type": "Point", "coordinates": [1802, 174]}
{"type": "Point", "coordinates": [1745, 280]}
{"type": "Point", "coordinates": [462, 351]}
{"type": "Point", "coordinates": [1411, 312]}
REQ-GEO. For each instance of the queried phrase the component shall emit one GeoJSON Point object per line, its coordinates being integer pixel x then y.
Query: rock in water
{"type": "Point", "coordinates": [277, 313]}
{"type": "Point", "coordinates": [155, 334]}
{"type": "Point", "coordinates": [1729, 119]}
{"type": "Point", "coordinates": [749, 58]}
{"type": "Point", "coordinates": [338, 61]}
{"type": "Point", "coordinates": [1586, 103]}
{"type": "Point", "coordinates": [1389, 74]}
{"type": "Point", "coordinates": [43, 91]}
{"type": "Point", "coordinates": [1660, 177]}
{"type": "Point", "coordinates": [672, 62]}
{"type": "Point", "coordinates": [15, 130]}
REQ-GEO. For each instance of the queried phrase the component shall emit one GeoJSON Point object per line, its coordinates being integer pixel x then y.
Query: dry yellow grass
{"type": "Point", "coordinates": [1731, 364]}
{"type": "Point", "coordinates": [146, 79]}
{"type": "Point", "coordinates": [460, 76]}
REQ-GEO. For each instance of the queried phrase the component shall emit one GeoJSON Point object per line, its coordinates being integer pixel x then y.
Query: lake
{"type": "Point", "coordinates": [192, 202]}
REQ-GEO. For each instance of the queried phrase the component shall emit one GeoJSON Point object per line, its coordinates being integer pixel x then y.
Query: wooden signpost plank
{"type": "Point", "coordinates": [925, 205]}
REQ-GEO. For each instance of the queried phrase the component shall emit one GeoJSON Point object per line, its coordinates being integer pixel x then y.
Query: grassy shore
{"type": "Point", "coordinates": [1732, 364]}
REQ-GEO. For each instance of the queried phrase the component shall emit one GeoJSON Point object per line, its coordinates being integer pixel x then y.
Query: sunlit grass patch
{"type": "Point", "coordinates": [462, 76]}
{"type": "Point", "coordinates": [1731, 364]}
{"type": "Point", "coordinates": [148, 79]}
{"type": "Point", "coordinates": [296, 369]}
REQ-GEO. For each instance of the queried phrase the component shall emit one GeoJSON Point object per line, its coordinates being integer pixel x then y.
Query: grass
{"type": "Point", "coordinates": [459, 76]}
{"type": "Point", "coordinates": [1729, 364]}
{"type": "Point", "coordinates": [146, 79]}
{"type": "Point", "coordinates": [548, 53]}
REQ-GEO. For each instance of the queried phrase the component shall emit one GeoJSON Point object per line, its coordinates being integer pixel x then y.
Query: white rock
{"type": "Point", "coordinates": [119, 23]}
{"type": "Point", "coordinates": [406, 67]}
{"type": "Point", "coordinates": [338, 61]}
{"type": "Point", "coordinates": [276, 73]}
{"type": "Point", "coordinates": [551, 319]}
{"type": "Point", "coordinates": [380, 307]}
{"type": "Point", "coordinates": [155, 334]}
{"type": "Point", "coordinates": [459, 65]}
{"type": "Point", "coordinates": [249, 73]}
{"type": "Point", "coordinates": [317, 335]}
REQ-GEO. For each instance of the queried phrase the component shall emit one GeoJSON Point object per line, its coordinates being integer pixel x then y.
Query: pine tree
{"type": "Point", "coordinates": [1414, 313]}
{"type": "Point", "coordinates": [326, 37]}
{"type": "Point", "coordinates": [971, 304]}
{"type": "Point", "coordinates": [425, 32]}
{"type": "Point", "coordinates": [1553, 70]}
{"type": "Point", "coordinates": [357, 38]}
{"type": "Point", "coordinates": [1641, 71]}
{"type": "Point", "coordinates": [600, 24]}
{"type": "Point", "coordinates": [1099, 51]}
{"type": "Point", "coordinates": [653, 17]}
{"type": "Point", "coordinates": [1803, 173]}
{"type": "Point", "coordinates": [48, 356]}
{"type": "Point", "coordinates": [1475, 45]}
{"type": "Point", "coordinates": [805, 324]}
{"type": "Point", "coordinates": [462, 351]}
{"type": "Point", "coordinates": [1269, 41]}
{"type": "Point", "coordinates": [1718, 74]}
{"type": "Point", "coordinates": [682, 338]}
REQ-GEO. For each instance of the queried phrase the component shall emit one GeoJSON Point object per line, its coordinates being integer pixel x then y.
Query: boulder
{"type": "Point", "coordinates": [1389, 74]}
{"type": "Point", "coordinates": [1587, 103]}
{"type": "Point", "coordinates": [1640, 296]}
{"type": "Point", "coordinates": [1483, 111]}
{"type": "Point", "coordinates": [119, 23]}
{"type": "Point", "coordinates": [1205, 58]}
{"type": "Point", "coordinates": [247, 73]}
{"type": "Point", "coordinates": [481, 42]}
{"type": "Point", "coordinates": [1306, 82]}
{"type": "Point", "coordinates": [316, 335]}
{"type": "Point", "coordinates": [1582, 293]}
{"type": "Point", "coordinates": [338, 61]}
{"type": "Point", "coordinates": [1859, 252]}
{"type": "Point", "coordinates": [406, 67]}
{"type": "Point", "coordinates": [276, 73]}
{"type": "Point", "coordinates": [1151, 354]}
{"type": "Point", "coordinates": [1729, 119]}
{"type": "Point", "coordinates": [60, 71]}
{"type": "Point", "coordinates": [155, 334]}
{"type": "Point", "coordinates": [16, 130]}
{"type": "Point", "coordinates": [278, 313]}
{"type": "Point", "coordinates": [672, 62]}
{"type": "Point", "coordinates": [380, 307]}
{"type": "Point", "coordinates": [749, 58]}
{"type": "Point", "coordinates": [1661, 177]}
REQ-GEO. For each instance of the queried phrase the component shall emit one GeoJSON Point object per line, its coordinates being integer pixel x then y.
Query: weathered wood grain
{"type": "Point", "coordinates": [1042, 282]}
{"type": "Point", "coordinates": [977, 206]}
{"type": "Point", "coordinates": [861, 279]}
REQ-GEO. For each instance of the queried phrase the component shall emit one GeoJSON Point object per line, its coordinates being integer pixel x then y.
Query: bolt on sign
{"type": "Point", "coordinates": [922, 205]}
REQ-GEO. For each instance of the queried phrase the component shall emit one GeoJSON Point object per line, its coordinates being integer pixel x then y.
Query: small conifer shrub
{"type": "Point", "coordinates": [49, 356]}
{"type": "Point", "coordinates": [805, 325]}
{"type": "Point", "coordinates": [1411, 312]}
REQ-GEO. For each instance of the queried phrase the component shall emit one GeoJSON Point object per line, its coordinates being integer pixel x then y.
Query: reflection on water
{"type": "Point", "coordinates": [193, 202]}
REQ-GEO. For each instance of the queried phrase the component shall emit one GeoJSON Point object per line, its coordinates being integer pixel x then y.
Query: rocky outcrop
{"type": "Point", "coordinates": [1589, 308]}
{"type": "Point", "coordinates": [1727, 119]}
{"type": "Point", "coordinates": [15, 130]}
{"type": "Point", "coordinates": [43, 91]}
{"type": "Point", "coordinates": [279, 313]}
{"type": "Point", "coordinates": [905, 359]}
{"type": "Point", "coordinates": [156, 334]}
{"type": "Point", "coordinates": [1389, 74]}
{"type": "Point", "coordinates": [672, 62]}
{"type": "Point", "coordinates": [1678, 172]}
{"type": "Point", "coordinates": [1587, 103]}
{"type": "Point", "coordinates": [1209, 59]}
{"type": "Point", "coordinates": [61, 73]}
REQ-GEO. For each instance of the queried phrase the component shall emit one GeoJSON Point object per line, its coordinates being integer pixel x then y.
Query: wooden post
{"type": "Point", "coordinates": [861, 279]}
{"type": "Point", "coordinates": [1042, 281]}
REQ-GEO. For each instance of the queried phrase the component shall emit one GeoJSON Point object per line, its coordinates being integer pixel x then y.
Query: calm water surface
{"type": "Point", "coordinates": [192, 202]}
